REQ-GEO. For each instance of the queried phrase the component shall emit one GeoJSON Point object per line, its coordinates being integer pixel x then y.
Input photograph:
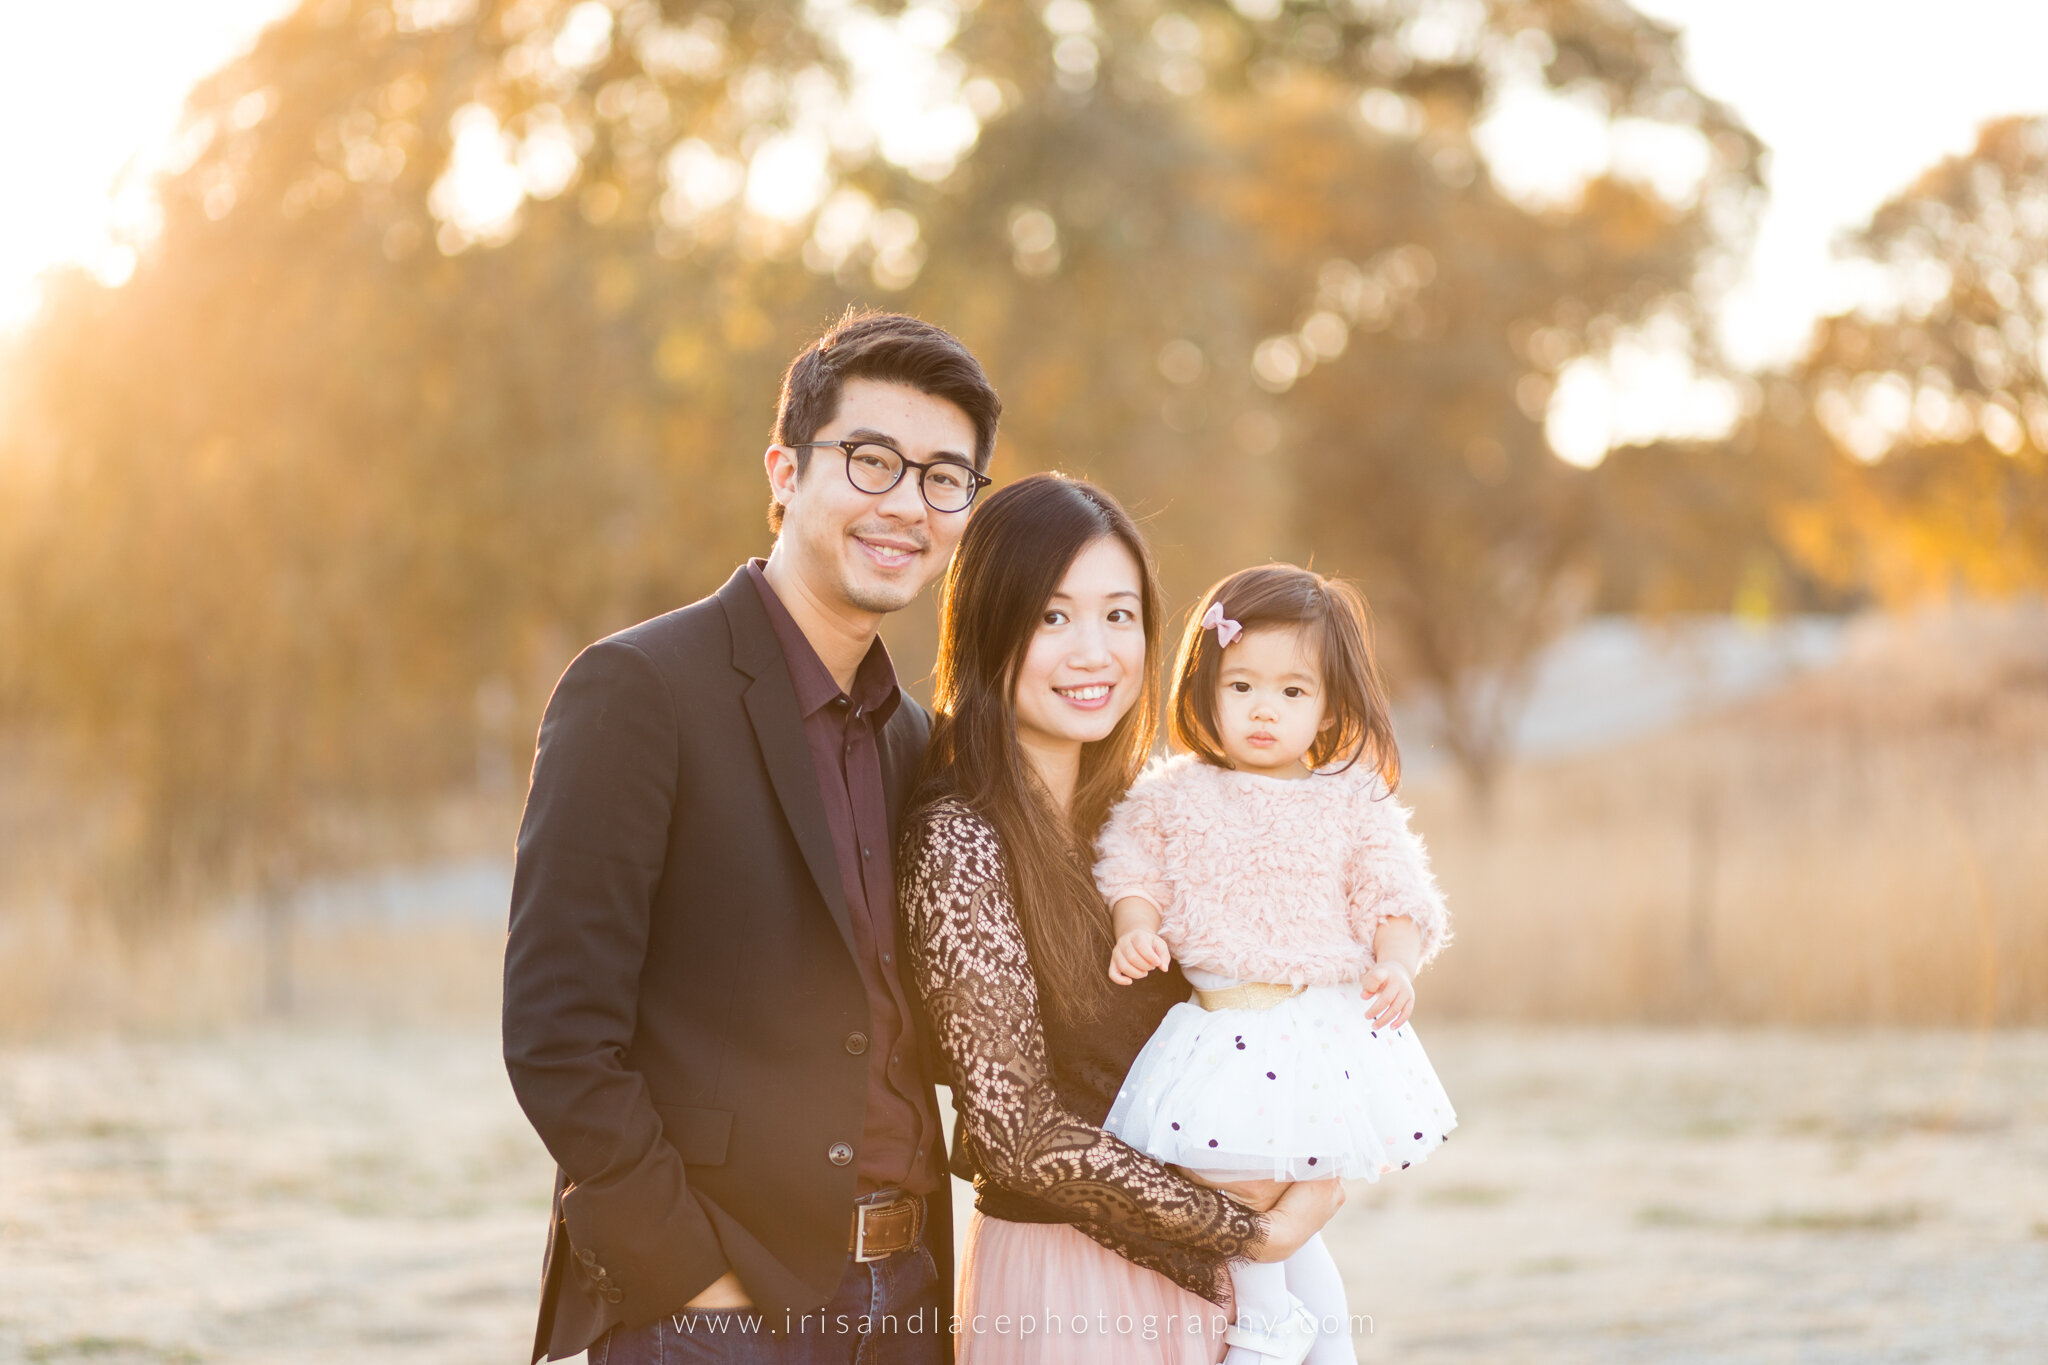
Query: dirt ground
{"type": "Point", "coordinates": [1610, 1195]}
{"type": "Point", "coordinates": [1674, 1196]}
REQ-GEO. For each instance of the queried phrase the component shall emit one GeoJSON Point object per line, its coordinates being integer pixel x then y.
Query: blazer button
{"type": "Point", "coordinates": [587, 1256]}
{"type": "Point", "coordinates": [613, 1295]}
{"type": "Point", "coordinates": [839, 1153]}
{"type": "Point", "coordinates": [856, 1043]}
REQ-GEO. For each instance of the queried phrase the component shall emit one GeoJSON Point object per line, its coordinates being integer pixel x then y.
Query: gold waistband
{"type": "Point", "coordinates": [1246, 995]}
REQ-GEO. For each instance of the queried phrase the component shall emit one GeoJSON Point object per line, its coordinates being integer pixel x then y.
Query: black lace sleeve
{"type": "Point", "coordinates": [972, 967]}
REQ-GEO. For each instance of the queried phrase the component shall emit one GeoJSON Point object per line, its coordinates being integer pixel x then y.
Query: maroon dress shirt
{"type": "Point", "coordinates": [900, 1135]}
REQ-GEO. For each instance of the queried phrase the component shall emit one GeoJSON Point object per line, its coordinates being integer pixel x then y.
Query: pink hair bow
{"type": "Point", "coordinates": [1225, 628]}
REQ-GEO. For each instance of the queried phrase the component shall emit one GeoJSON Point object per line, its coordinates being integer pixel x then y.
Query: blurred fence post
{"type": "Point", "coordinates": [277, 952]}
{"type": "Point", "coordinates": [1702, 844]}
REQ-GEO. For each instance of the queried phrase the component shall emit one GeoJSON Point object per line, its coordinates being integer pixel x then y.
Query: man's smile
{"type": "Point", "coordinates": [889, 551]}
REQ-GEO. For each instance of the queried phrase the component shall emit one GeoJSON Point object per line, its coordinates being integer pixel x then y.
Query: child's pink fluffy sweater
{"type": "Point", "coordinates": [1270, 879]}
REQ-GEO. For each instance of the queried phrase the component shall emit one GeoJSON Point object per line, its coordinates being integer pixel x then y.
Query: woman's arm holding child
{"type": "Point", "coordinates": [1139, 949]}
{"type": "Point", "coordinates": [973, 968]}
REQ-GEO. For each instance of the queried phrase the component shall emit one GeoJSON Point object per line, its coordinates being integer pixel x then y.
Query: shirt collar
{"type": "Point", "coordinates": [875, 692]}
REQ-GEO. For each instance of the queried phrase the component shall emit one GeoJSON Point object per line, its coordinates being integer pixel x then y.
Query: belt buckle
{"type": "Point", "coordinates": [860, 1234]}
{"type": "Point", "coordinates": [860, 1225]}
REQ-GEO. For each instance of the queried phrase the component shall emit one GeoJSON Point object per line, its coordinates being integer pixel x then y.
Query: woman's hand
{"type": "Point", "coordinates": [1137, 953]}
{"type": "Point", "coordinates": [1300, 1215]}
{"type": "Point", "coordinates": [1260, 1195]}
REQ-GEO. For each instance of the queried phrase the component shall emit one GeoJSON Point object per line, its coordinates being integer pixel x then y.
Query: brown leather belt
{"type": "Point", "coordinates": [884, 1223]}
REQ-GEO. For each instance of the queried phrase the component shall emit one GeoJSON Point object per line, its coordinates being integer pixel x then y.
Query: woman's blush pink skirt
{"type": "Point", "coordinates": [1046, 1294]}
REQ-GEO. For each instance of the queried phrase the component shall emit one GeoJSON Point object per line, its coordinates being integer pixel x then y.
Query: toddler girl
{"type": "Point", "coordinates": [1275, 864]}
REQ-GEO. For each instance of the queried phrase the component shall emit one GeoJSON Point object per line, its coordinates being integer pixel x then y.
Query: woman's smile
{"type": "Point", "coordinates": [1088, 696]}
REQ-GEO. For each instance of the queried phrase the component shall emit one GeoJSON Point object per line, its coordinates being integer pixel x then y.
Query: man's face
{"type": "Point", "coordinates": [872, 552]}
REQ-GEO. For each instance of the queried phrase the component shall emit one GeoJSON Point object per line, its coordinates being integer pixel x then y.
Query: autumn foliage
{"type": "Point", "coordinates": [457, 346]}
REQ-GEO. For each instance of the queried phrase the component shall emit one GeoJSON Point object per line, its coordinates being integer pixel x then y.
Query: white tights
{"type": "Point", "coordinates": [1266, 1291]}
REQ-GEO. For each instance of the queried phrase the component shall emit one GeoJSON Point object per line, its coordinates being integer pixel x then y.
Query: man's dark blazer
{"type": "Point", "coordinates": [680, 981]}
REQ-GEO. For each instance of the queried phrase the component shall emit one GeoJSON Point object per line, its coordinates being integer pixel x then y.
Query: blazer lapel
{"type": "Point", "coordinates": [779, 730]}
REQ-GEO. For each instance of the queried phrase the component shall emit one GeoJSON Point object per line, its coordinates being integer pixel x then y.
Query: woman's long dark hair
{"type": "Point", "coordinates": [1016, 550]}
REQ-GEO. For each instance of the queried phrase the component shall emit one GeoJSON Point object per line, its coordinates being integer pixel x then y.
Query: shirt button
{"type": "Point", "coordinates": [839, 1153]}
{"type": "Point", "coordinates": [886, 959]}
{"type": "Point", "coordinates": [856, 1043]}
{"type": "Point", "coordinates": [863, 850]}
{"type": "Point", "coordinates": [895, 1059]}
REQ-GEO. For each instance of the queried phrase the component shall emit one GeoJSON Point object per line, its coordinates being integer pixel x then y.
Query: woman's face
{"type": "Point", "coordinates": [1086, 661]}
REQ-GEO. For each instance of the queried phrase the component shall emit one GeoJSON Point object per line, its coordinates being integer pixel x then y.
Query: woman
{"type": "Point", "coordinates": [1082, 1249]}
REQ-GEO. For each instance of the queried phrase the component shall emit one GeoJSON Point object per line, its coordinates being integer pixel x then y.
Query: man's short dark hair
{"type": "Point", "coordinates": [893, 348]}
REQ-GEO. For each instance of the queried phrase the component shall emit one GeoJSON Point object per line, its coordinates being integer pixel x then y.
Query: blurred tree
{"type": "Point", "coordinates": [460, 335]}
{"type": "Point", "coordinates": [1272, 289]}
{"type": "Point", "coordinates": [1936, 393]}
{"type": "Point", "coordinates": [1696, 527]}
{"type": "Point", "coordinates": [331, 479]}
{"type": "Point", "coordinates": [1727, 525]}
{"type": "Point", "coordinates": [1421, 444]}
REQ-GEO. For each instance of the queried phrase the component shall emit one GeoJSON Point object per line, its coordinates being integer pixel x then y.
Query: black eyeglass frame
{"type": "Point", "coordinates": [981, 480]}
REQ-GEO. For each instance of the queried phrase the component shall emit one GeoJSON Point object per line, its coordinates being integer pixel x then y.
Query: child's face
{"type": "Point", "coordinates": [1270, 703]}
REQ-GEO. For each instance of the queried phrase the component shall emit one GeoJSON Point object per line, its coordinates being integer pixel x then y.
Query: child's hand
{"type": "Point", "coordinates": [1389, 994]}
{"type": "Point", "coordinates": [1137, 953]}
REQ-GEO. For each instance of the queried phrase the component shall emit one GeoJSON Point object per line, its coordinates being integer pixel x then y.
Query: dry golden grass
{"type": "Point", "coordinates": [1869, 844]}
{"type": "Point", "coordinates": [60, 975]}
{"type": "Point", "coordinates": [68, 965]}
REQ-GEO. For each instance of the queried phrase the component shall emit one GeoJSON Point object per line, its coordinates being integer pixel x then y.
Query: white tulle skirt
{"type": "Point", "coordinates": [1306, 1090]}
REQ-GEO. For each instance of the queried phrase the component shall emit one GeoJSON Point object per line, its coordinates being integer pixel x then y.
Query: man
{"type": "Point", "coordinates": [705, 1014]}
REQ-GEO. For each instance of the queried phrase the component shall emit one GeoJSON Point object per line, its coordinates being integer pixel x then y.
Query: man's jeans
{"type": "Point", "coordinates": [888, 1312]}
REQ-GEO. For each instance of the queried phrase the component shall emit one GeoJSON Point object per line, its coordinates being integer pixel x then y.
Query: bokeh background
{"type": "Point", "coordinates": [1673, 378]}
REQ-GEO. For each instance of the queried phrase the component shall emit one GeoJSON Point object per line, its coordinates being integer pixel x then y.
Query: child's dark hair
{"type": "Point", "coordinates": [1338, 623]}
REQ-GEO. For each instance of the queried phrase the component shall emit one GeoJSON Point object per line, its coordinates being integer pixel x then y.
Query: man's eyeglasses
{"type": "Point", "coordinates": [947, 485]}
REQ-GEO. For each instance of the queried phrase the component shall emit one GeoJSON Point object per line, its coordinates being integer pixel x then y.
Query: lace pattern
{"type": "Point", "coordinates": [968, 953]}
